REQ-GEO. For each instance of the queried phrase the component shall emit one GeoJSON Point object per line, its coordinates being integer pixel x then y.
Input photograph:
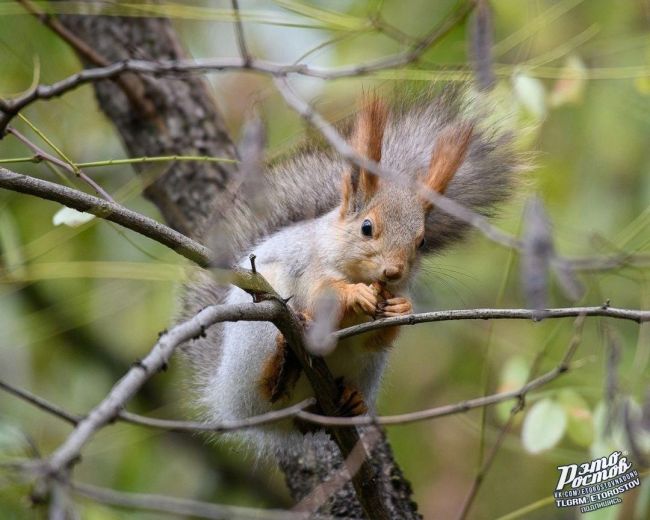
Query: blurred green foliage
{"type": "Point", "coordinates": [78, 305]}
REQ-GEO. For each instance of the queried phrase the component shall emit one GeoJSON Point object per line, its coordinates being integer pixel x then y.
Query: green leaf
{"type": "Point", "coordinates": [580, 425]}
{"type": "Point", "coordinates": [544, 426]}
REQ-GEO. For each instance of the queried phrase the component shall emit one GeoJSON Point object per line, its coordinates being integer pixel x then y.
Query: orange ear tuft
{"type": "Point", "coordinates": [360, 185]}
{"type": "Point", "coordinates": [447, 156]}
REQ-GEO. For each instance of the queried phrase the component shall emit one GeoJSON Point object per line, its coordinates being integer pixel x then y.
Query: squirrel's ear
{"type": "Point", "coordinates": [360, 185]}
{"type": "Point", "coordinates": [447, 156]}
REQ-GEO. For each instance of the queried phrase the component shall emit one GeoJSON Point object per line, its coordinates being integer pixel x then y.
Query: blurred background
{"type": "Point", "coordinates": [79, 304]}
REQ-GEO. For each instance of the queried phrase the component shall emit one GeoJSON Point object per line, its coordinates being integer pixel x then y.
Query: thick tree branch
{"type": "Point", "coordinates": [155, 361]}
{"type": "Point", "coordinates": [107, 210]}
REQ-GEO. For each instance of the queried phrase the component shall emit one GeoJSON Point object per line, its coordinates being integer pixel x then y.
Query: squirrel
{"type": "Point", "coordinates": [338, 233]}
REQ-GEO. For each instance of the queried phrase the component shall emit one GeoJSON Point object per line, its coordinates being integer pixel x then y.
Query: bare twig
{"type": "Point", "coordinates": [446, 410]}
{"type": "Point", "coordinates": [178, 506]}
{"type": "Point", "coordinates": [155, 361]}
{"type": "Point", "coordinates": [563, 366]}
{"type": "Point", "coordinates": [40, 403]}
{"type": "Point", "coordinates": [164, 424]}
{"type": "Point", "coordinates": [605, 263]}
{"type": "Point", "coordinates": [239, 31]}
{"type": "Point", "coordinates": [226, 426]}
{"type": "Point", "coordinates": [639, 316]}
{"type": "Point", "coordinates": [43, 155]}
{"type": "Point", "coordinates": [87, 53]}
{"type": "Point", "coordinates": [109, 71]}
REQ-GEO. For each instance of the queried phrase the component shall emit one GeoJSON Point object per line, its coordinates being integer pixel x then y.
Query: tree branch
{"type": "Point", "coordinates": [639, 316]}
{"type": "Point", "coordinates": [178, 506]}
{"type": "Point", "coordinates": [163, 424]}
{"type": "Point", "coordinates": [184, 119]}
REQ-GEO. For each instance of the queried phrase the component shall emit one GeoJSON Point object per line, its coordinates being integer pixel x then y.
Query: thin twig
{"type": "Point", "coordinates": [109, 71]}
{"type": "Point", "coordinates": [178, 506]}
{"type": "Point", "coordinates": [40, 403]}
{"type": "Point", "coordinates": [225, 426]}
{"type": "Point", "coordinates": [639, 316]}
{"type": "Point", "coordinates": [561, 368]}
{"type": "Point", "coordinates": [164, 424]}
{"type": "Point", "coordinates": [239, 31]}
{"type": "Point", "coordinates": [43, 155]}
{"type": "Point", "coordinates": [441, 411]}
{"type": "Point", "coordinates": [133, 160]}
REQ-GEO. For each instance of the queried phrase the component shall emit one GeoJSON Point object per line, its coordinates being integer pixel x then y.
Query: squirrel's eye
{"type": "Point", "coordinates": [366, 228]}
{"type": "Point", "coordinates": [421, 244]}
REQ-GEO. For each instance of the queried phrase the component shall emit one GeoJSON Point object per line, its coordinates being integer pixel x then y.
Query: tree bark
{"type": "Point", "coordinates": [185, 121]}
{"type": "Point", "coordinates": [176, 116]}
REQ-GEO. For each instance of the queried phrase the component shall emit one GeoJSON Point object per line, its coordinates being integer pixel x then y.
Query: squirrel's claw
{"type": "Point", "coordinates": [398, 306]}
{"type": "Point", "coordinates": [351, 402]}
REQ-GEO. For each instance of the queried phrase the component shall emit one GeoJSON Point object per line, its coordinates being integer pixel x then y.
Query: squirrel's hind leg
{"type": "Point", "coordinates": [282, 370]}
{"type": "Point", "coordinates": [350, 404]}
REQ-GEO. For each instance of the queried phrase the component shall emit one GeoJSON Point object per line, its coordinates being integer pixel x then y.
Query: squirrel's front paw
{"type": "Point", "coordinates": [394, 306]}
{"type": "Point", "coordinates": [361, 298]}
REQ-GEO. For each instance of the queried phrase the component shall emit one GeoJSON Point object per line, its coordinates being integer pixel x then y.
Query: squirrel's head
{"type": "Point", "coordinates": [381, 223]}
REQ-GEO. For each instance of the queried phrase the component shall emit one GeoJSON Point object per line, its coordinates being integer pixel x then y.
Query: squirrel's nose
{"type": "Point", "coordinates": [393, 272]}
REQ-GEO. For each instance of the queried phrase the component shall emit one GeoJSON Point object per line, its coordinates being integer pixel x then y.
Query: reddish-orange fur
{"type": "Point", "coordinates": [280, 373]}
{"type": "Point", "coordinates": [367, 141]}
{"type": "Point", "coordinates": [345, 294]}
{"type": "Point", "coordinates": [448, 154]}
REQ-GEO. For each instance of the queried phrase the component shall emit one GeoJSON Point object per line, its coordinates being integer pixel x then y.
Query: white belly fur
{"type": "Point", "coordinates": [234, 389]}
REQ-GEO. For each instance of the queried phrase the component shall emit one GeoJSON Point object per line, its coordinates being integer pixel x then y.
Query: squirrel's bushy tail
{"type": "Point", "coordinates": [308, 185]}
